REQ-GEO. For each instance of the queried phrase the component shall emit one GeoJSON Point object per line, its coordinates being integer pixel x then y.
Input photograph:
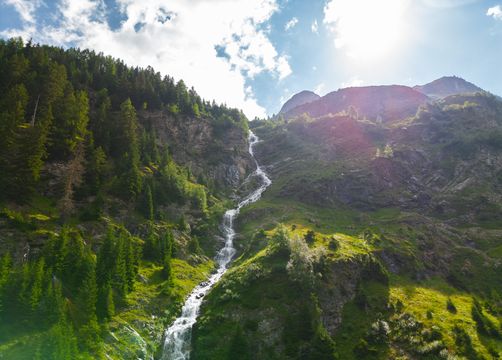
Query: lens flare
{"type": "Point", "coordinates": [366, 29]}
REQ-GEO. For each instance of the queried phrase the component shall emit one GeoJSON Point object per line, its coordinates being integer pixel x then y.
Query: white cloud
{"type": "Point", "coordinates": [25, 8]}
{"type": "Point", "coordinates": [178, 38]}
{"type": "Point", "coordinates": [283, 68]}
{"type": "Point", "coordinates": [495, 12]}
{"type": "Point", "coordinates": [291, 24]}
{"type": "Point", "coordinates": [315, 27]}
{"type": "Point", "coordinates": [352, 82]}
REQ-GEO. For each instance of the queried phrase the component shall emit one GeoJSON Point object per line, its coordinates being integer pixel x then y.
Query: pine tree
{"type": "Point", "coordinates": [131, 155]}
{"type": "Point", "coordinates": [24, 296]}
{"type": "Point", "coordinates": [5, 269]}
{"type": "Point", "coordinates": [15, 67]}
{"type": "Point", "coordinates": [151, 245]}
{"type": "Point", "coordinates": [87, 299]}
{"type": "Point", "coordinates": [165, 158]}
{"type": "Point", "coordinates": [88, 293]}
{"type": "Point", "coordinates": [71, 115]}
{"type": "Point", "coordinates": [65, 112]}
{"type": "Point", "coordinates": [55, 309]}
{"type": "Point", "coordinates": [101, 125]}
{"type": "Point", "coordinates": [119, 279]}
{"type": "Point", "coordinates": [167, 254]}
{"type": "Point", "coordinates": [195, 110]}
{"type": "Point", "coordinates": [149, 209]}
{"type": "Point", "coordinates": [5, 274]}
{"type": "Point", "coordinates": [106, 259]}
{"type": "Point", "coordinates": [105, 268]}
{"type": "Point", "coordinates": [12, 117]}
{"type": "Point", "coordinates": [61, 344]}
{"type": "Point", "coordinates": [131, 268]}
{"type": "Point", "coordinates": [96, 164]}
{"type": "Point", "coordinates": [56, 251]}
{"type": "Point", "coordinates": [36, 287]}
{"type": "Point", "coordinates": [74, 261]}
{"type": "Point", "coordinates": [106, 304]}
{"type": "Point", "coordinates": [54, 83]}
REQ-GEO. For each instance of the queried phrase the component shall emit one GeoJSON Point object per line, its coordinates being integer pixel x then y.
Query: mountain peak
{"type": "Point", "coordinates": [388, 102]}
{"type": "Point", "coordinates": [301, 98]}
{"type": "Point", "coordinates": [446, 86]}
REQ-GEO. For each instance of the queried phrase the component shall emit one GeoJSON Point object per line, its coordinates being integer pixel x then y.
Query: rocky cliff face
{"type": "Point", "coordinates": [216, 155]}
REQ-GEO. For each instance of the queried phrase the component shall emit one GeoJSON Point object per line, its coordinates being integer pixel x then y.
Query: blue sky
{"type": "Point", "coordinates": [255, 54]}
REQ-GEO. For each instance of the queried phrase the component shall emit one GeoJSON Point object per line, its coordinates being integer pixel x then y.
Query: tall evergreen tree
{"type": "Point", "coordinates": [87, 299]}
{"type": "Point", "coordinates": [149, 211]}
{"type": "Point", "coordinates": [131, 155]}
{"type": "Point", "coordinates": [119, 280]}
{"type": "Point", "coordinates": [12, 126]}
{"type": "Point", "coordinates": [167, 254]}
{"type": "Point", "coordinates": [5, 274]}
{"type": "Point", "coordinates": [104, 271]}
{"type": "Point", "coordinates": [106, 305]}
{"type": "Point", "coordinates": [37, 283]}
{"type": "Point", "coordinates": [100, 124]}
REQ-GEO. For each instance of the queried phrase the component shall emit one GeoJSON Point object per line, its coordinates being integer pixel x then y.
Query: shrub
{"type": "Point", "coordinates": [281, 237]}
{"type": "Point", "coordinates": [333, 244]}
{"type": "Point", "coordinates": [379, 331]}
{"type": "Point", "coordinates": [300, 264]}
{"type": "Point", "coordinates": [310, 237]}
{"type": "Point", "coordinates": [483, 324]}
{"type": "Point", "coordinates": [363, 350]}
{"type": "Point", "coordinates": [464, 343]}
{"type": "Point", "coordinates": [430, 315]}
{"type": "Point", "coordinates": [450, 306]}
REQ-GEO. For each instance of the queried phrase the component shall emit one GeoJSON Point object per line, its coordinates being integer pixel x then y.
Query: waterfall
{"type": "Point", "coordinates": [177, 341]}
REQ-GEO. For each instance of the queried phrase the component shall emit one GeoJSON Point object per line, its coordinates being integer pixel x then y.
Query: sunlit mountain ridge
{"type": "Point", "coordinates": [381, 103]}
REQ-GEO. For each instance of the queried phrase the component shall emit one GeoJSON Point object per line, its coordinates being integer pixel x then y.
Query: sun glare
{"type": "Point", "coordinates": [367, 29]}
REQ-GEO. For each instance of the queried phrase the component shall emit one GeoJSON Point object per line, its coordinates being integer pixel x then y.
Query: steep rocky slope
{"type": "Point", "coordinates": [393, 240]}
{"type": "Point", "coordinates": [214, 152]}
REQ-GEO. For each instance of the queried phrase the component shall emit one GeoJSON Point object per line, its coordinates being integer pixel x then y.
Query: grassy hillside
{"type": "Point", "coordinates": [396, 231]}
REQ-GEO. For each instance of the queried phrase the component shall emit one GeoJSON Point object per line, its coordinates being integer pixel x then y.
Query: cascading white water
{"type": "Point", "coordinates": [178, 335]}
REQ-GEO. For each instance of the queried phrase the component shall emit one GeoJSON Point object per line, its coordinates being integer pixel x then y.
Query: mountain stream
{"type": "Point", "coordinates": [177, 343]}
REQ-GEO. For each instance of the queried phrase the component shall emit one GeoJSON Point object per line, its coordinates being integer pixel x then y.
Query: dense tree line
{"type": "Point", "coordinates": [69, 131]}
{"type": "Point", "coordinates": [79, 109]}
{"type": "Point", "coordinates": [67, 287]}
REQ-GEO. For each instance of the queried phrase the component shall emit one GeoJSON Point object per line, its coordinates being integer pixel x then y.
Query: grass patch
{"type": "Point", "coordinates": [427, 302]}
